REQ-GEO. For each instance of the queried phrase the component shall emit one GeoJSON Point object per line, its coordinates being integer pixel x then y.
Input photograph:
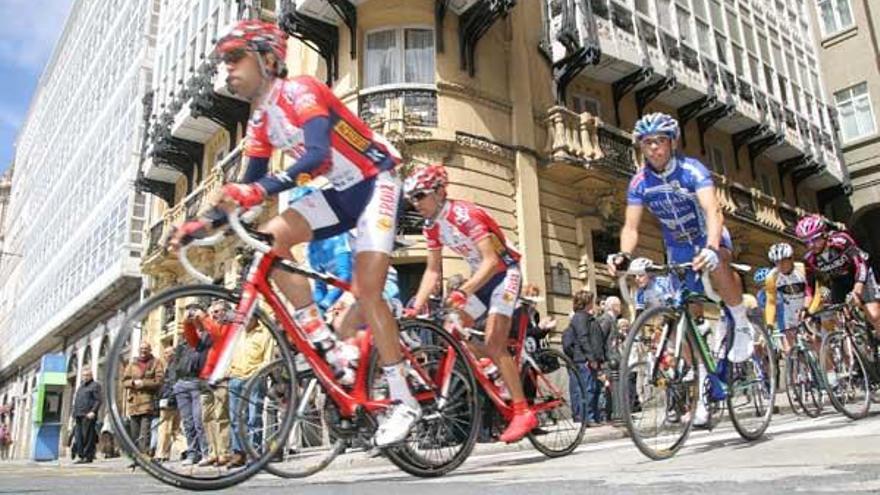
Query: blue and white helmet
{"type": "Point", "coordinates": [656, 123]}
{"type": "Point", "coordinates": [761, 275]}
{"type": "Point", "coordinates": [780, 251]}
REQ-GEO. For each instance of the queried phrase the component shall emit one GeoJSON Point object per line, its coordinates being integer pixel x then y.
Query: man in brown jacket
{"type": "Point", "coordinates": [142, 378]}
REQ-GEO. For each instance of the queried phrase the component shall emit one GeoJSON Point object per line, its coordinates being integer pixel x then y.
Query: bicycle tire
{"type": "Point", "coordinates": [789, 386]}
{"type": "Point", "coordinates": [286, 465]}
{"type": "Point", "coordinates": [157, 470]}
{"type": "Point", "coordinates": [807, 388]}
{"type": "Point", "coordinates": [557, 416]}
{"type": "Point", "coordinates": [685, 394]}
{"type": "Point", "coordinates": [760, 371]}
{"type": "Point", "coordinates": [855, 373]}
{"type": "Point", "coordinates": [407, 456]}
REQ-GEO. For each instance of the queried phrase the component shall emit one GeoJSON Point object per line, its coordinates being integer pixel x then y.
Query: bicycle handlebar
{"type": "Point", "coordinates": [237, 227]}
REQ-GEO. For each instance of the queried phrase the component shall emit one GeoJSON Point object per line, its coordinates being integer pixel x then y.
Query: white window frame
{"type": "Point", "coordinates": [837, 103]}
{"type": "Point", "coordinates": [836, 13]}
{"type": "Point", "coordinates": [400, 31]}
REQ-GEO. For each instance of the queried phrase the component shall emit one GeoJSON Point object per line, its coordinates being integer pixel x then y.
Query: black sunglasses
{"type": "Point", "coordinates": [418, 196]}
{"type": "Point", "coordinates": [233, 56]}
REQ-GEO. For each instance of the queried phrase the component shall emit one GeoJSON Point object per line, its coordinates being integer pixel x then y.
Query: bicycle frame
{"type": "Point", "coordinates": [685, 299]}
{"type": "Point", "coordinates": [520, 357]}
{"type": "Point", "coordinates": [256, 285]}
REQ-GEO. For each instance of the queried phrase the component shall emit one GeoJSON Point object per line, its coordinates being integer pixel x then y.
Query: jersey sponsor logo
{"type": "Point", "coordinates": [351, 136]}
{"type": "Point", "coordinates": [384, 223]}
{"type": "Point", "coordinates": [460, 213]}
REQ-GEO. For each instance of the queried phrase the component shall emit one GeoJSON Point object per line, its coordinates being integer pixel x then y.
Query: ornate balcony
{"type": "Point", "coordinates": [419, 105]}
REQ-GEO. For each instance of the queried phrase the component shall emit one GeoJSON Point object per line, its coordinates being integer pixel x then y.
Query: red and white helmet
{"type": "Point", "coordinates": [810, 227]}
{"type": "Point", "coordinates": [427, 178]}
{"type": "Point", "coordinates": [256, 36]}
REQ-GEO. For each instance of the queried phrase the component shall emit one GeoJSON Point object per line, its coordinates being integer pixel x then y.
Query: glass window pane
{"type": "Point", "coordinates": [827, 17]}
{"type": "Point", "coordinates": [721, 46]}
{"type": "Point", "coordinates": [733, 25]}
{"type": "Point", "coordinates": [848, 125]}
{"type": "Point", "coordinates": [748, 38]}
{"type": "Point", "coordinates": [705, 40]}
{"type": "Point", "coordinates": [419, 46]}
{"type": "Point", "coordinates": [700, 9]}
{"type": "Point", "coordinates": [684, 26]}
{"type": "Point", "coordinates": [859, 90]}
{"type": "Point", "coordinates": [844, 14]}
{"type": "Point", "coordinates": [664, 14]}
{"type": "Point", "coordinates": [383, 59]}
{"type": "Point", "coordinates": [717, 16]}
{"type": "Point", "coordinates": [643, 7]}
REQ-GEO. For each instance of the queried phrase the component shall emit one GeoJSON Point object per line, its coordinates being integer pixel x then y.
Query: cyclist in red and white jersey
{"type": "Point", "coordinates": [493, 286]}
{"type": "Point", "coordinates": [304, 119]}
{"type": "Point", "coordinates": [834, 258]}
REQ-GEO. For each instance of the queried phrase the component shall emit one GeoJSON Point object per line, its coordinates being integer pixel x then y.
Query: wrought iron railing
{"type": "Point", "coordinates": [419, 105]}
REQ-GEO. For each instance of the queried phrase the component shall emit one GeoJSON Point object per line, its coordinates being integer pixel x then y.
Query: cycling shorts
{"type": "Point", "coordinates": [370, 205]}
{"type": "Point", "coordinates": [499, 295]}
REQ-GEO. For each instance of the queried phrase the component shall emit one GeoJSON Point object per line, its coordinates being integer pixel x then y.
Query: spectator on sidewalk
{"type": "Point", "coordinates": [5, 440]}
{"type": "Point", "coordinates": [142, 378]}
{"type": "Point", "coordinates": [86, 404]}
{"type": "Point", "coordinates": [253, 351]}
{"type": "Point", "coordinates": [189, 357]}
{"type": "Point", "coordinates": [583, 342]}
{"type": "Point", "coordinates": [169, 418]}
{"type": "Point", "coordinates": [214, 400]}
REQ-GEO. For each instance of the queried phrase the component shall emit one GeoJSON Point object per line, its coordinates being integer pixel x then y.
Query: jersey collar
{"type": "Point", "coordinates": [670, 167]}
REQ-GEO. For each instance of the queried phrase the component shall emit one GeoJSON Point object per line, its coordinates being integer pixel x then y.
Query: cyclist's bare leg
{"type": "Point", "coordinates": [290, 229]}
{"type": "Point", "coordinates": [370, 269]}
{"type": "Point", "coordinates": [872, 310]}
{"type": "Point", "coordinates": [497, 330]}
{"type": "Point", "coordinates": [726, 281]}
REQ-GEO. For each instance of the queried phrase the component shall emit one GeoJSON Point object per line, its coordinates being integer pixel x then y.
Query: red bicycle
{"type": "Point", "coordinates": [271, 400]}
{"type": "Point", "coordinates": [553, 387]}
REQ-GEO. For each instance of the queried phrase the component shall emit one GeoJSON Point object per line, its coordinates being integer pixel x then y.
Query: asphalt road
{"type": "Point", "coordinates": [829, 454]}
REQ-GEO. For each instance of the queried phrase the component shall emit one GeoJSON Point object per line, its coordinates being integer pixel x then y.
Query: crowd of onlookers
{"type": "Point", "coordinates": [170, 413]}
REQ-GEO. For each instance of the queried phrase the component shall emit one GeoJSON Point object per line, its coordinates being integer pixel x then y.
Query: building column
{"type": "Point", "coordinates": [528, 223]}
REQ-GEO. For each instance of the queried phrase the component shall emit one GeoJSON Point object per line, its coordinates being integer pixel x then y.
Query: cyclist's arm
{"type": "Point", "coordinates": [429, 278]}
{"type": "Point", "coordinates": [629, 234]}
{"type": "Point", "coordinates": [813, 301]}
{"type": "Point", "coordinates": [316, 139]}
{"type": "Point", "coordinates": [770, 305]}
{"type": "Point", "coordinates": [487, 269]}
{"type": "Point", "coordinates": [714, 218]}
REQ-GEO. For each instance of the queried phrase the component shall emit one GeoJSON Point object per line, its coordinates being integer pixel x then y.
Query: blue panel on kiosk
{"type": "Point", "coordinates": [47, 441]}
{"type": "Point", "coordinates": [53, 363]}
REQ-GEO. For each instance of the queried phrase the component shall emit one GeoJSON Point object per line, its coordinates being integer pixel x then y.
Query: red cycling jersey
{"type": "Point", "coordinates": [356, 153]}
{"type": "Point", "coordinates": [460, 226]}
{"type": "Point", "coordinates": [840, 258]}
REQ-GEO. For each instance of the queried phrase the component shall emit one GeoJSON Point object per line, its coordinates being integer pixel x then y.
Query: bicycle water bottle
{"type": "Point", "coordinates": [494, 374]}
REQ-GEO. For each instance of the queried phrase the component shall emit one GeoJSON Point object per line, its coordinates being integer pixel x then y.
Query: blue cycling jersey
{"type": "Point", "coordinates": [331, 255]}
{"type": "Point", "coordinates": [672, 197]}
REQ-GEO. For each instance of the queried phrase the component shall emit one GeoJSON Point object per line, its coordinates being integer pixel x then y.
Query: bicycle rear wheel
{"type": "Point", "coordinates": [176, 471]}
{"type": "Point", "coordinates": [445, 436]}
{"type": "Point", "coordinates": [806, 386]}
{"type": "Point", "coordinates": [312, 443]}
{"type": "Point", "coordinates": [751, 389]}
{"type": "Point", "coordinates": [550, 378]}
{"type": "Point", "coordinates": [658, 388]}
{"type": "Point", "coordinates": [846, 375]}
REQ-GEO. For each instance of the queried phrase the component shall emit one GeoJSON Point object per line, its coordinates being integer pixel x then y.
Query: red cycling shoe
{"type": "Point", "coordinates": [522, 423]}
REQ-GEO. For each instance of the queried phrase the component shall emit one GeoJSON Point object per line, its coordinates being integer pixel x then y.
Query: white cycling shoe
{"type": "Point", "coordinates": [397, 425]}
{"type": "Point", "coordinates": [743, 344]}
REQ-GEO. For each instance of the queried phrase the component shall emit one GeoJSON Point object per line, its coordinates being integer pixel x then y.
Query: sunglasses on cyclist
{"type": "Point", "coordinates": [233, 56]}
{"type": "Point", "coordinates": [418, 196]}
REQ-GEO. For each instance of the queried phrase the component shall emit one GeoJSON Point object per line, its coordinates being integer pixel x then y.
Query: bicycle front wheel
{"type": "Point", "coordinates": [805, 384]}
{"type": "Point", "coordinates": [846, 375]}
{"type": "Point", "coordinates": [659, 377]}
{"type": "Point", "coordinates": [751, 389]}
{"type": "Point", "coordinates": [447, 432]}
{"type": "Point", "coordinates": [557, 391]}
{"type": "Point", "coordinates": [191, 469]}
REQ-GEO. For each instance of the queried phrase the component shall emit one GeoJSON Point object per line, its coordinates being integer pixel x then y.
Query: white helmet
{"type": "Point", "coordinates": [640, 266]}
{"type": "Point", "coordinates": [780, 251]}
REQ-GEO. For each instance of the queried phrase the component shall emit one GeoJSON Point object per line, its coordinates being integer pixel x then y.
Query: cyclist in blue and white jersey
{"type": "Point", "coordinates": [680, 193]}
{"type": "Point", "coordinates": [652, 289]}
